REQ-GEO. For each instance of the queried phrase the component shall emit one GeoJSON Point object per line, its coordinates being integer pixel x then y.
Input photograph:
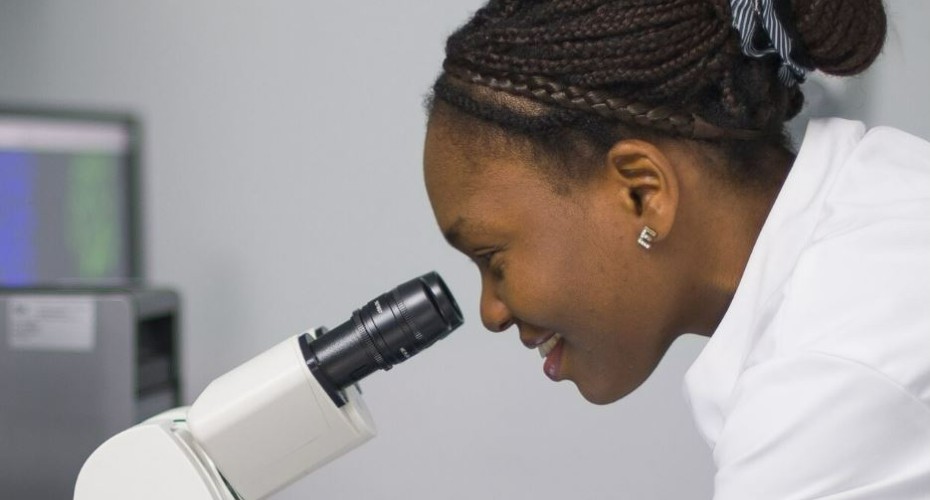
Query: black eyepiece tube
{"type": "Point", "coordinates": [384, 332]}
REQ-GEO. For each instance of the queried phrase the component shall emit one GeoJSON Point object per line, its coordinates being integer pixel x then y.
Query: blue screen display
{"type": "Point", "coordinates": [63, 203]}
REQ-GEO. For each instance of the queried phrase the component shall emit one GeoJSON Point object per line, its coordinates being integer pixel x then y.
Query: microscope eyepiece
{"type": "Point", "coordinates": [385, 331]}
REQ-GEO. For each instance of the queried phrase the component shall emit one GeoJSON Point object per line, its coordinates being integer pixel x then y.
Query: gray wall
{"type": "Point", "coordinates": [283, 188]}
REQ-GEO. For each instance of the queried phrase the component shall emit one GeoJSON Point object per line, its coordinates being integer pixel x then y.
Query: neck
{"type": "Point", "coordinates": [723, 224]}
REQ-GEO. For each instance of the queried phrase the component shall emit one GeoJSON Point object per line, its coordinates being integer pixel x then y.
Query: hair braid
{"type": "Point", "coordinates": [607, 23]}
{"type": "Point", "coordinates": [515, 49]}
{"type": "Point", "coordinates": [667, 66]}
{"type": "Point", "coordinates": [593, 101]}
{"type": "Point", "coordinates": [559, 8]}
{"type": "Point", "coordinates": [840, 38]}
{"type": "Point", "coordinates": [691, 52]}
{"type": "Point", "coordinates": [651, 41]}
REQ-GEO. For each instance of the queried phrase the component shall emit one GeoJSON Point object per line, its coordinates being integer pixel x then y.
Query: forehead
{"type": "Point", "coordinates": [473, 142]}
{"type": "Point", "coordinates": [481, 182]}
{"type": "Point", "coordinates": [460, 174]}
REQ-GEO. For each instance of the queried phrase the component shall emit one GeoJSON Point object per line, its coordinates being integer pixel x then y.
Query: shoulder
{"type": "Point", "coordinates": [895, 146]}
{"type": "Point", "coordinates": [861, 287]}
{"type": "Point", "coordinates": [828, 354]}
{"type": "Point", "coordinates": [885, 167]}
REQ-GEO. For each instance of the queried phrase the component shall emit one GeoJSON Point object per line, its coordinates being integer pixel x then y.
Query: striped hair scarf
{"type": "Point", "coordinates": [748, 16]}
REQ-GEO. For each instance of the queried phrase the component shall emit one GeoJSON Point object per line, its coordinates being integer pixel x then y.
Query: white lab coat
{"type": "Point", "coordinates": [817, 382]}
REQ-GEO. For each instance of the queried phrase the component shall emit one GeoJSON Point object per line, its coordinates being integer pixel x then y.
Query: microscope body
{"type": "Point", "coordinates": [277, 417]}
{"type": "Point", "coordinates": [265, 424]}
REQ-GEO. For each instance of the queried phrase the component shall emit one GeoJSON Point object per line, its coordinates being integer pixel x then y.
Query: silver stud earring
{"type": "Point", "coordinates": [647, 237]}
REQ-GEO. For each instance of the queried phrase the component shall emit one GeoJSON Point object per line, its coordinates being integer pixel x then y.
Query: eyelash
{"type": "Point", "coordinates": [484, 259]}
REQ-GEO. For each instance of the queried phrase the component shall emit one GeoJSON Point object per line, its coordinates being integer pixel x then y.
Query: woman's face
{"type": "Point", "coordinates": [552, 262]}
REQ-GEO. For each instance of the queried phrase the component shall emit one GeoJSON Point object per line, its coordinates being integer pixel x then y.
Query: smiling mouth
{"type": "Point", "coordinates": [548, 345]}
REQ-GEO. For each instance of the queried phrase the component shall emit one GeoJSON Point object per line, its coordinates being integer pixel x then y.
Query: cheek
{"type": "Point", "coordinates": [593, 276]}
{"type": "Point", "coordinates": [563, 286]}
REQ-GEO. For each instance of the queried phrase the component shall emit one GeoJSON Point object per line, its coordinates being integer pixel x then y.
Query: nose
{"type": "Point", "coordinates": [494, 313]}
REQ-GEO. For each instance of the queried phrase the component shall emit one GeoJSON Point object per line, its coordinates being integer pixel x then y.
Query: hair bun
{"type": "Point", "coordinates": [840, 37]}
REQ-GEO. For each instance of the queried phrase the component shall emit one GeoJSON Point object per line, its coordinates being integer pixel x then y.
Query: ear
{"type": "Point", "coordinates": [648, 183]}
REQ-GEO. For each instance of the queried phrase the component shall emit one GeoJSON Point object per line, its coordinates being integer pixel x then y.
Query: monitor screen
{"type": "Point", "coordinates": [67, 199]}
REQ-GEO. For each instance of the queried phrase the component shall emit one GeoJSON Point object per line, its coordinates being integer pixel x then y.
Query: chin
{"type": "Point", "coordinates": [602, 395]}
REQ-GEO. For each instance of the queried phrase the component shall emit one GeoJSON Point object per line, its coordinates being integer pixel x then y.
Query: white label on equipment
{"type": "Point", "coordinates": [52, 323]}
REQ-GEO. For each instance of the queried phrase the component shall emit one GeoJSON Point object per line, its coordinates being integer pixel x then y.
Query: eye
{"type": "Point", "coordinates": [490, 259]}
{"type": "Point", "coordinates": [484, 256]}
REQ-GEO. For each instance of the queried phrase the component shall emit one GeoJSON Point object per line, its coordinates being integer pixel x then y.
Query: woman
{"type": "Point", "coordinates": [620, 174]}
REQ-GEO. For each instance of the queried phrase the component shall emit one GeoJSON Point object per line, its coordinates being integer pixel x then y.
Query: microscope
{"type": "Point", "coordinates": [277, 417]}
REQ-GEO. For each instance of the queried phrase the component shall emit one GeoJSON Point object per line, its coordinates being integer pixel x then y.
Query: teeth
{"type": "Point", "coordinates": [546, 348]}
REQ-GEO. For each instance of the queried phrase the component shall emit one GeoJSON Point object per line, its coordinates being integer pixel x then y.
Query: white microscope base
{"type": "Point", "coordinates": [155, 460]}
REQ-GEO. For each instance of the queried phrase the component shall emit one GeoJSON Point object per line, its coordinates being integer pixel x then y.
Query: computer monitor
{"type": "Point", "coordinates": [69, 199]}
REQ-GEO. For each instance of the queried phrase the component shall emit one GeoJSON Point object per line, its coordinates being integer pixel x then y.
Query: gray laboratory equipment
{"type": "Point", "coordinates": [76, 367]}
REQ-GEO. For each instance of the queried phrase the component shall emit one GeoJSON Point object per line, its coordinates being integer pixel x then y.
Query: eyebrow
{"type": "Point", "coordinates": [453, 234]}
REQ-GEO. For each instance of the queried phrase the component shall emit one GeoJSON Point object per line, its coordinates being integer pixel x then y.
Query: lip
{"type": "Point", "coordinates": [534, 342]}
{"type": "Point", "coordinates": [552, 367]}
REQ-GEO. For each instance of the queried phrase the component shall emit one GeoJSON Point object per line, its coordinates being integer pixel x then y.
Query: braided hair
{"type": "Point", "coordinates": [578, 75]}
